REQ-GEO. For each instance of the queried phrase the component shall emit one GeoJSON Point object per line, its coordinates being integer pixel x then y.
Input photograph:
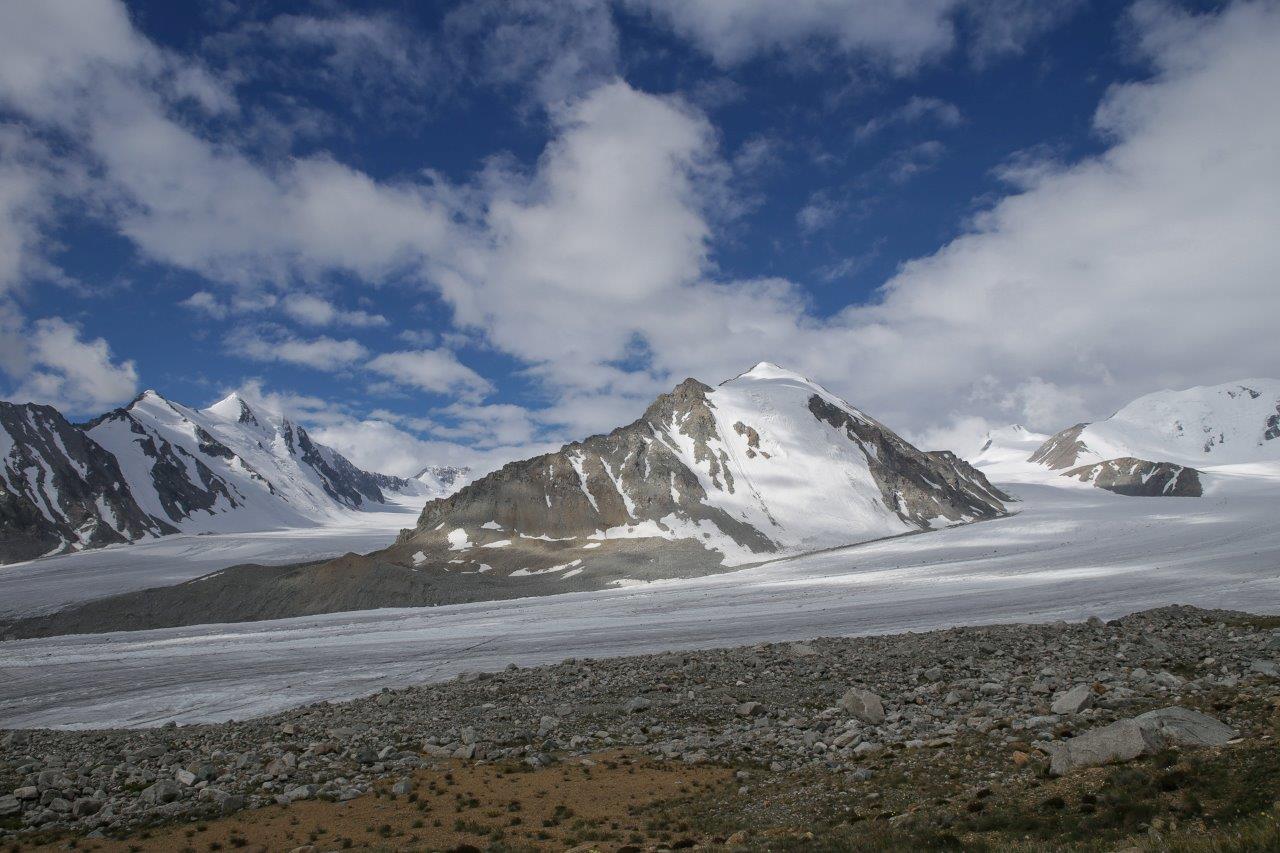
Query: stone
{"type": "Point", "coordinates": [402, 788]}
{"type": "Point", "coordinates": [163, 791]}
{"type": "Point", "coordinates": [863, 705]}
{"type": "Point", "coordinates": [27, 792]}
{"type": "Point", "coordinates": [185, 777]}
{"type": "Point", "coordinates": [1265, 667]}
{"type": "Point", "coordinates": [1073, 701]}
{"type": "Point", "coordinates": [802, 650]}
{"type": "Point", "coordinates": [85, 806]}
{"type": "Point", "coordinates": [1124, 740]}
{"type": "Point", "coordinates": [749, 709]}
{"type": "Point", "coordinates": [10, 805]}
{"type": "Point", "coordinates": [637, 704]}
{"type": "Point", "coordinates": [1186, 727]}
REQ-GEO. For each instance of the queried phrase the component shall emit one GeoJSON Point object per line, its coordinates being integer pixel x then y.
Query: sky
{"type": "Point", "coordinates": [466, 233]}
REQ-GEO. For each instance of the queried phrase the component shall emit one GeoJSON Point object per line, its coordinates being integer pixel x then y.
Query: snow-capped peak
{"type": "Point", "coordinates": [233, 408]}
{"type": "Point", "coordinates": [766, 371]}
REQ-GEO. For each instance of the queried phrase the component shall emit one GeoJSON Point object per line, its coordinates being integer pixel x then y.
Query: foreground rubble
{"type": "Point", "coordinates": [980, 707]}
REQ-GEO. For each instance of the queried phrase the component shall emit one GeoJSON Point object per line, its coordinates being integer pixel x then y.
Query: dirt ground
{"type": "Point", "coordinates": [457, 808]}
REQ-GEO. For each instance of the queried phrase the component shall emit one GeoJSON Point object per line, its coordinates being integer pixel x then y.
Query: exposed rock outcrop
{"type": "Point", "coordinates": [1141, 478]}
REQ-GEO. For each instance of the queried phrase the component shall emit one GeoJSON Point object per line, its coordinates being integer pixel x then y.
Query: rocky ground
{"type": "Point", "coordinates": [1023, 736]}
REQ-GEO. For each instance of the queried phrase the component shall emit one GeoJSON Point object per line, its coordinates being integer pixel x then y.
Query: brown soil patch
{"type": "Point", "coordinates": [516, 807]}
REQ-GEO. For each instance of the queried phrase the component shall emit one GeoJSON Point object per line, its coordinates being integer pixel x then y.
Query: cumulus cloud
{"type": "Point", "coordinates": [271, 343]}
{"type": "Point", "coordinates": [434, 370]}
{"type": "Point", "coordinates": [1149, 264]}
{"type": "Point", "coordinates": [316, 311]}
{"type": "Point", "coordinates": [54, 364]}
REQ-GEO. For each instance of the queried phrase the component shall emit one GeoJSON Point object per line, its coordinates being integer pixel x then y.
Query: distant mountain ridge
{"type": "Point", "coordinates": [1227, 424]}
{"type": "Point", "coordinates": [156, 467]}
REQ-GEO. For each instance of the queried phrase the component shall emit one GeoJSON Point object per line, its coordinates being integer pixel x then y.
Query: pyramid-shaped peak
{"type": "Point", "coordinates": [233, 407]}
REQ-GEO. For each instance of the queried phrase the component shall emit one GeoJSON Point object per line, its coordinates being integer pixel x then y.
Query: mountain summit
{"type": "Point", "coordinates": [766, 464]}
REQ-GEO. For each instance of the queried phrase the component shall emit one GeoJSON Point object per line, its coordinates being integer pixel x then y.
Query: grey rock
{"type": "Point", "coordinates": [1124, 740]}
{"type": "Point", "coordinates": [1073, 701]}
{"type": "Point", "coordinates": [637, 704]}
{"type": "Point", "coordinates": [749, 709]}
{"type": "Point", "coordinates": [1186, 727]}
{"type": "Point", "coordinates": [10, 805]}
{"type": "Point", "coordinates": [86, 806]}
{"type": "Point", "coordinates": [863, 705]}
{"type": "Point", "coordinates": [163, 791]}
{"type": "Point", "coordinates": [1265, 667]}
{"type": "Point", "coordinates": [27, 792]}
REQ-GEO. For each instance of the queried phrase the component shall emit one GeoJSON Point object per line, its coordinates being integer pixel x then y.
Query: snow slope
{"type": "Point", "coordinates": [1232, 423]}
{"type": "Point", "coordinates": [1069, 553]}
{"type": "Point", "coordinates": [1005, 451]}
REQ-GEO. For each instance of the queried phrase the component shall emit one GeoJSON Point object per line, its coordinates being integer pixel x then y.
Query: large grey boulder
{"type": "Point", "coordinates": [9, 806]}
{"type": "Point", "coordinates": [1074, 701]}
{"type": "Point", "coordinates": [163, 791]}
{"type": "Point", "coordinates": [1123, 740]}
{"type": "Point", "coordinates": [863, 705]}
{"type": "Point", "coordinates": [1186, 727]}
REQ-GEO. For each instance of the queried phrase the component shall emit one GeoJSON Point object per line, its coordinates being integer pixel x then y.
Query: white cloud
{"type": "Point", "coordinates": [1150, 264]}
{"type": "Point", "coordinates": [315, 311]}
{"type": "Point", "coordinates": [916, 109]}
{"type": "Point", "coordinates": [274, 344]}
{"type": "Point", "coordinates": [204, 302]}
{"type": "Point", "coordinates": [898, 36]}
{"type": "Point", "coordinates": [57, 366]}
{"type": "Point", "coordinates": [557, 49]}
{"type": "Point", "coordinates": [435, 370]}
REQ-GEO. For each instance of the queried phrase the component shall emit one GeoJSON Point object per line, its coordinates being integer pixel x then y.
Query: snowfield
{"type": "Point", "coordinates": [1070, 552]}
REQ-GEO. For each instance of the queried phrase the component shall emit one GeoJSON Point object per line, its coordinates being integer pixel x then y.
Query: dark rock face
{"type": "Point", "coordinates": [919, 486]}
{"type": "Point", "coordinates": [1062, 449]}
{"type": "Point", "coordinates": [1141, 478]}
{"type": "Point", "coordinates": [180, 495]}
{"type": "Point", "coordinates": [60, 489]}
{"type": "Point", "coordinates": [342, 481]}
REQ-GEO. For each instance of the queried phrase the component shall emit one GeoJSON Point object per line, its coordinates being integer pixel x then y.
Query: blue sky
{"type": "Point", "coordinates": [466, 232]}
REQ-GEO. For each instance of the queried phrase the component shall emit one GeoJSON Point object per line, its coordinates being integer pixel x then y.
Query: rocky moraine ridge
{"type": "Point", "coordinates": [1006, 705]}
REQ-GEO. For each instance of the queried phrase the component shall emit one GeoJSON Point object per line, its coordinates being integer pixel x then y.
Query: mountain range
{"type": "Point", "coordinates": [1154, 446]}
{"type": "Point", "coordinates": [156, 467]}
{"type": "Point", "coordinates": [765, 465]}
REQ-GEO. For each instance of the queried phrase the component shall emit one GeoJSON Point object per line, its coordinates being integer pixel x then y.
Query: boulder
{"type": "Point", "coordinates": [1265, 667]}
{"type": "Point", "coordinates": [163, 791]}
{"type": "Point", "coordinates": [637, 705]}
{"type": "Point", "coordinates": [749, 709]}
{"type": "Point", "coordinates": [1124, 740]}
{"type": "Point", "coordinates": [1073, 701]}
{"type": "Point", "coordinates": [10, 805]}
{"type": "Point", "coordinates": [863, 705]}
{"type": "Point", "coordinates": [1186, 727]}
